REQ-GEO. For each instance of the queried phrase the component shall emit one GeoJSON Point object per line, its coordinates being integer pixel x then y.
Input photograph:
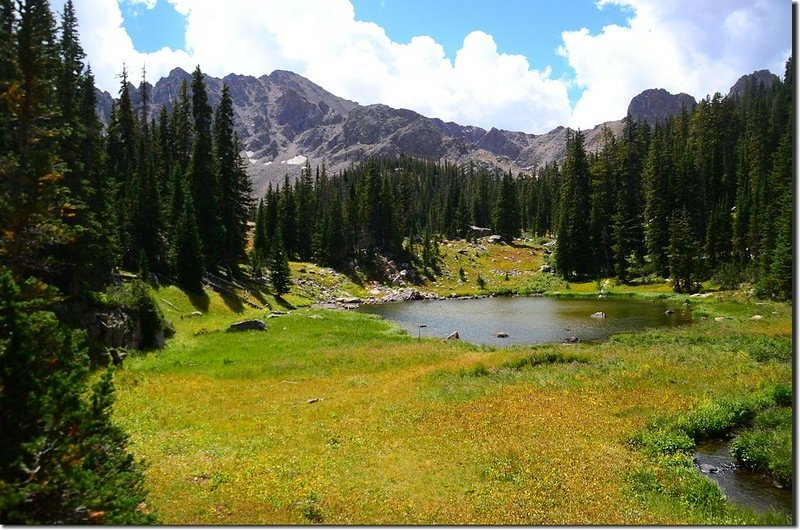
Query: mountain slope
{"type": "Point", "coordinates": [283, 120]}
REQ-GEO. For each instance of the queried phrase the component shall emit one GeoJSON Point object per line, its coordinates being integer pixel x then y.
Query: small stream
{"type": "Point", "coordinates": [741, 486]}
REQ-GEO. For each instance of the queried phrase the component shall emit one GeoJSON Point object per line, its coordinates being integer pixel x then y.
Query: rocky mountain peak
{"type": "Point", "coordinates": [763, 77]}
{"type": "Point", "coordinates": [656, 105]}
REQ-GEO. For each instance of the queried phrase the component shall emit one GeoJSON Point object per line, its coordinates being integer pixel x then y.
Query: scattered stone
{"type": "Point", "coordinates": [478, 231]}
{"type": "Point", "coordinates": [348, 301]}
{"type": "Point", "coordinates": [599, 314]}
{"type": "Point", "coordinates": [669, 312]}
{"type": "Point", "coordinates": [719, 319]}
{"type": "Point", "coordinates": [545, 268]}
{"type": "Point", "coordinates": [756, 317]}
{"type": "Point", "coordinates": [452, 336]}
{"type": "Point", "coordinates": [495, 239]}
{"type": "Point", "coordinates": [708, 469]}
{"type": "Point", "coordinates": [315, 400]}
{"type": "Point", "coordinates": [571, 340]}
{"type": "Point", "coordinates": [502, 335]}
{"type": "Point", "coordinates": [248, 325]}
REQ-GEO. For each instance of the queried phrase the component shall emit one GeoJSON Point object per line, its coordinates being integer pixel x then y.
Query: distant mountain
{"type": "Point", "coordinates": [764, 77]}
{"type": "Point", "coordinates": [656, 105]}
{"type": "Point", "coordinates": [283, 119]}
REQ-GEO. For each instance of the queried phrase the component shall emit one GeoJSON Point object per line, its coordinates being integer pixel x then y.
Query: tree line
{"type": "Point", "coordinates": [706, 194]}
{"type": "Point", "coordinates": [78, 202]}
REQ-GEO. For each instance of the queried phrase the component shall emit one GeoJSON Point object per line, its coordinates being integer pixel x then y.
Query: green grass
{"type": "Point", "coordinates": [335, 417]}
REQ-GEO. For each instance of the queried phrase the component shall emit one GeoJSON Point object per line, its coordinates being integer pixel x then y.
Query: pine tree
{"type": "Point", "coordinates": [573, 254]}
{"type": "Point", "coordinates": [187, 249]}
{"type": "Point", "coordinates": [203, 174]}
{"type": "Point", "coordinates": [280, 275]}
{"type": "Point", "coordinates": [683, 256]}
{"type": "Point", "coordinates": [234, 184]}
{"type": "Point", "coordinates": [287, 218]}
{"type": "Point", "coordinates": [62, 460]}
{"type": "Point", "coordinates": [32, 211]}
{"type": "Point", "coordinates": [505, 215]}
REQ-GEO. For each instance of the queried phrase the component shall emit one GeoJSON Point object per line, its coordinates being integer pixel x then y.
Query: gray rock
{"type": "Point", "coordinates": [571, 340]}
{"type": "Point", "coordinates": [599, 314]}
{"type": "Point", "coordinates": [452, 336]}
{"type": "Point", "coordinates": [248, 325]}
{"type": "Point", "coordinates": [501, 335]}
{"type": "Point", "coordinates": [708, 469]}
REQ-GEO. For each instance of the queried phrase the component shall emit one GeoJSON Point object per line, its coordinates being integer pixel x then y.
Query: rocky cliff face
{"type": "Point", "coordinates": [283, 119]}
{"type": "Point", "coordinates": [764, 77]}
{"type": "Point", "coordinates": [656, 105]}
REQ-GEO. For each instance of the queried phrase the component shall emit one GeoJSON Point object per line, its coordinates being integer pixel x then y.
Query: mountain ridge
{"type": "Point", "coordinates": [284, 120]}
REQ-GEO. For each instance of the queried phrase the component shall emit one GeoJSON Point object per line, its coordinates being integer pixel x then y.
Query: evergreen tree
{"type": "Point", "coordinates": [287, 218]}
{"type": "Point", "coordinates": [235, 189]}
{"type": "Point", "coordinates": [573, 254]}
{"type": "Point", "coordinates": [187, 249]}
{"type": "Point", "coordinates": [62, 460]}
{"type": "Point", "coordinates": [683, 257]}
{"type": "Point", "coordinates": [280, 275]}
{"type": "Point", "coordinates": [203, 174]}
{"type": "Point", "coordinates": [505, 215]}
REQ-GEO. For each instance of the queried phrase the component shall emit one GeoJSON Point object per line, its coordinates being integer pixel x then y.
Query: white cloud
{"type": "Point", "coordinates": [108, 46]}
{"type": "Point", "coordinates": [692, 46]}
{"type": "Point", "coordinates": [147, 4]}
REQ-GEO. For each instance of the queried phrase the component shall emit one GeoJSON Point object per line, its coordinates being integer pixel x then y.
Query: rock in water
{"type": "Point", "coordinates": [502, 335]}
{"type": "Point", "coordinates": [248, 325]}
{"type": "Point", "coordinates": [452, 336]}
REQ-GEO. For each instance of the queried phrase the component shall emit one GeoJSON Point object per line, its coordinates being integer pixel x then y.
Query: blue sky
{"type": "Point", "coordinates": [528, 27]}
{"type": "Point", "coordinates": [528, 65]}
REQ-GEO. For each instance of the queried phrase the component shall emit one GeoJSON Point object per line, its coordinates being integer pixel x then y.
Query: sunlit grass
{"type": "Point", "coordinates": [338, 417]}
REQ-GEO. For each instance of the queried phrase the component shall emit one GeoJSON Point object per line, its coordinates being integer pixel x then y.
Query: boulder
{"type": "Point", "coordinates": [599, 314]}
{"type": "Point", "coordinates": [756, 317]}
{"type": "Point", "coordinates": [452, 336]}
{"type": "Point", "coordinates": [478, 231]}
{"type": "Point", "coordinates": [248, 325]}
{"type": "Point", "coordinates": [571, 340]}
{"type": "Point", "coordinates": [669, 312]}
{"type": "Point", "coordinates": [501, 335]}
{"type": "Point", "coordinates": [708, 469]}
{"type": "Point", "coordinates": [495, 239]}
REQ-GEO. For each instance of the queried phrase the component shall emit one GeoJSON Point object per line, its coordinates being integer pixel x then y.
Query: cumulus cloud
{"type": "Point", "coordinates": [683, 46]}
{"type": "Point", "coordinates": [689, 45]}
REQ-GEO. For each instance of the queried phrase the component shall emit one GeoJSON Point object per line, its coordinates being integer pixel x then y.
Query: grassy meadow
{"type": "Point", "coordinates": [338, 417]}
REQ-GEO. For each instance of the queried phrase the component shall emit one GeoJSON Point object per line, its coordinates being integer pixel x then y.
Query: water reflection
{"type": "Point", "coordinates": [530, 320]}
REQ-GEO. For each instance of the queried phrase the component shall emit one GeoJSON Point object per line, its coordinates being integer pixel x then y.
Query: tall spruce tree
{"type": "Point", "coordinates": [234, 185]}
{"type": "Point", "coordinates": [573, 255]}
{"type": "Point", "coordinates": [505, 215]}
{"type": "Point", "coordinates": [62, 460]}
{"type": "Point", "coordinates": [203, 174]}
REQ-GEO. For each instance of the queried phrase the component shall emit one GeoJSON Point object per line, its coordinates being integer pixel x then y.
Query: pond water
{"type": "Point", "coordinates": [529, 320]}
{"type": "Point", "coordinates": [740, 485]}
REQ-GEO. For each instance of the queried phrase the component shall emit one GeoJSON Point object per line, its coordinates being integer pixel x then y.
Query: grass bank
{"type": "Point", "coordinates": [336, 417]}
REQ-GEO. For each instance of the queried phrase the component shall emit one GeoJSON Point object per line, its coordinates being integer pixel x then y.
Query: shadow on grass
{"type": "Point", "coordinates": [199, 301]}
{"type": "Point", "coordinates": [233, 302]}
{"type": "Point", "coordinates": [285, 304]}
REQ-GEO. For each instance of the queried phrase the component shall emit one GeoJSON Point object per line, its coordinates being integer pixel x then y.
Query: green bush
{"type": "Point", "coordinates": [134, 298]}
